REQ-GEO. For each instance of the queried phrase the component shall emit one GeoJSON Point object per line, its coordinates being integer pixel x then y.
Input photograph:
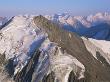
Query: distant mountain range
{"type": "Point", "coordinates": [84, 26]}
{"type": "Point", "coordinates": [87, 21]}
{"type": "Point", "coordinates": [57, 48]}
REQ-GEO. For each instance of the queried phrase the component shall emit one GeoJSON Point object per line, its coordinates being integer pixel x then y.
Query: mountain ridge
{"type": "Point", "coordinates": [41, 50]}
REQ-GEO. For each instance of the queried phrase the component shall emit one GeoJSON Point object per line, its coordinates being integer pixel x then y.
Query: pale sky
{"type": "Point", "coordinates": [75, 7]}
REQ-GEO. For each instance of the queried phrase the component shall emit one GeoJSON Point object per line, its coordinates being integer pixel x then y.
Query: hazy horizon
{"type": "Point", "coordinates": [74, 7]}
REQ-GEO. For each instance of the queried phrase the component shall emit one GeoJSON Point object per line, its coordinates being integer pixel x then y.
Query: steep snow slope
{"type": "Point", "coordinates": [104, 45]}
{"type": "Point", "coordinates": [101, 46]}
{"type": "Point", "coordinates": [19, 39]}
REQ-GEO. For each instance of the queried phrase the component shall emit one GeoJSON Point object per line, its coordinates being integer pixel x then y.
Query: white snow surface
{"type": "Point", "coordinates": [101, 46]}
{"type": "Point", "coordinates": [19, 36]}
{"type": "Point", "coordinates": [19, 40]}
{"type": "Point", "coordinates": [104, 45]}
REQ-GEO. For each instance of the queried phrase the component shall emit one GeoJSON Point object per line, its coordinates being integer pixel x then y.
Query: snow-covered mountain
{"type": "Point", "coordinates": [21, 38]}
{"type": "Point", "coordinates": [35, 49]}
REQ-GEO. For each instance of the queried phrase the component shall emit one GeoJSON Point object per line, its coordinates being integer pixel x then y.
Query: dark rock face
{"type": "Point", "coordinates": [2, 59]}
{"type": "Point", "coordinates": [102, 59]}
{"type": "Point", "coordinates": [26, 74]}
{"type": "Point", "coordinates": [49, 78]}
{"type": "Point", "coordinates": [95, 71]}
{"type": "Point", "coordinates": [6, 69]}
{"type": "Point", "coordinates": [73, 78]}
{"type": "Point", "coordinates": [10, 67]}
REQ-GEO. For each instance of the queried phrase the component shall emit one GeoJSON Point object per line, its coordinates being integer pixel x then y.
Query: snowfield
{"type": "Point", "coordinates": [20, 39]}
{"type": "Point", "coordinates": [101, 46]}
